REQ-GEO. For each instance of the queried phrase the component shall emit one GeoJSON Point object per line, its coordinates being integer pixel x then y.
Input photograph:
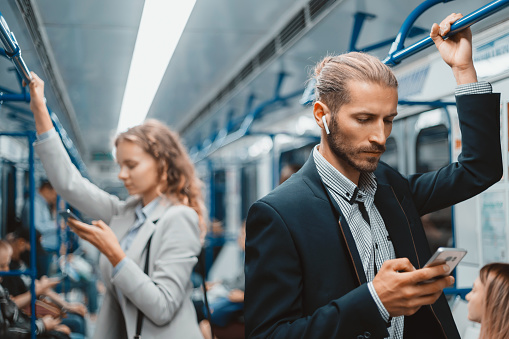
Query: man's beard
{"type": "Point", "coordinates": [342, 149]}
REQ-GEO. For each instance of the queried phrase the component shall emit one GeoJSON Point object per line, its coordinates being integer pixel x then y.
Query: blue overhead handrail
{"type": "Point", "coordinates": [359, 19]}
{"type": "Point", "coordinates": [398, 53]}
{"type": "Point", "coordinates": [12, 51]}
{"type": "Point", "coordinates": [405, 29]}
{"type": "Point", "coordinates": [247, 122]}
{"type": "Point", "coordinates": [7, 95]}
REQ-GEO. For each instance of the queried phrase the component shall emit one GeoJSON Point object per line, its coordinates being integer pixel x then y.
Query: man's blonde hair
{"type": "Point", "coordinates": [333, 74]}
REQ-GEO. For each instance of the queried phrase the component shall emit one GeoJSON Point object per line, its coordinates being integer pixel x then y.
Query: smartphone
{"type": "Point", "coordinates": [446, 255]}
{"type": "Point", "coordinates": [67, 213]}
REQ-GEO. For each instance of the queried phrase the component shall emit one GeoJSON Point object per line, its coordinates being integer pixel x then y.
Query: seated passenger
{"type": "Point", "coordinates": [226, 298]}
{"type": "Point", "coordinates": [45, 204]}
{"type": "Point", "coordinates": [15, 324]}
{"type": "Point", "coordinates": [19, 286]}
{"type": "Point", "coordinates": [488, 302]}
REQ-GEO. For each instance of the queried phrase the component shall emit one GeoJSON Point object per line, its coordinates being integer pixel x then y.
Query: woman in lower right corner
{"type": "Point", "coordinates": [488, 302]}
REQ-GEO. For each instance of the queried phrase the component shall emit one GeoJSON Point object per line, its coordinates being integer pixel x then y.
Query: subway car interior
{"type": "Point", "coordinates": [231, 77]}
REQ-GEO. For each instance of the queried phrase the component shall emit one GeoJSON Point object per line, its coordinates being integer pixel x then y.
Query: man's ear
{"type": "Point", "coordinates": [319, 110]}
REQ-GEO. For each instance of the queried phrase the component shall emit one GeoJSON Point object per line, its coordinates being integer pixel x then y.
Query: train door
{"type": "Point", "coordinates": [249, 191]}
{"type": "Point", "coordinates": [8, 200]}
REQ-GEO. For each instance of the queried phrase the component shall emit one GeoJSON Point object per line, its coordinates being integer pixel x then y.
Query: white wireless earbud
{"type": "Point", "coordinates": [325, 125]}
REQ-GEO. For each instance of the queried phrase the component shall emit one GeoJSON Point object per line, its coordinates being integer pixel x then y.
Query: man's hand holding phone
{"type": "Point", "coordinates": [401, 289]}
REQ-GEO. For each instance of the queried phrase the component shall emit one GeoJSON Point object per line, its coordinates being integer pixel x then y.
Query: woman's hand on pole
{"type": "Point", "coordinates": [42, 118]}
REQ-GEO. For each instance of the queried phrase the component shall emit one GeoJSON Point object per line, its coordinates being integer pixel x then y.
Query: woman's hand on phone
{"type": "Point", "coordinates": [101, 236]}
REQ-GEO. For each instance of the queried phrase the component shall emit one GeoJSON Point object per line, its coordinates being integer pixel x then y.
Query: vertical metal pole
{"type": "Point", "coordinates": [275, 163]}
{"type": "Point", "coordinates": [33, 246]}
{"type": "Point", "coordinates": [209, 250]}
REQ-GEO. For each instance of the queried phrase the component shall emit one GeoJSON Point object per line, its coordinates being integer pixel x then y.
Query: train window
{"type": "Point", "coordinates": [432, 149]}
{"type": "Point", "coordinates": [390, 156]}
{"type": "Point", "coordinates": [432, 153]}
{"type": "Point", "coordinates": [219, 194]}
{"type": "Point", "coordinates": [291, 161]}
{"type": "Point", "coordinates": [248, 188]}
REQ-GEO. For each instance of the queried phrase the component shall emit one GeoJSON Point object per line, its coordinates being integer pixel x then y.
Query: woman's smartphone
{"type": "Point", "coordinates": [446, 255]}
{"type": "Point", "coordinates": [67, 213]}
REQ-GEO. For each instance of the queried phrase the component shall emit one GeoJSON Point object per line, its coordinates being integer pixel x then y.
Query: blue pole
{"type": "Point", "coordinates": [396, 56]}
{"type": "Point", "coordinates": [33, 245]}
{"type": "Point", "coordinates": [275, 163]}
{"type": "Point", "coordinates": [409, 22]}
{"type": "Point", "coordinates": [15, 97]}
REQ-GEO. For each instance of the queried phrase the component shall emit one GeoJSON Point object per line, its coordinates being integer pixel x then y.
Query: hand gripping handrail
{"type": "Point", "coordinates": [12, 50]}
{"type": "Point", "coordinates": [399, 53]}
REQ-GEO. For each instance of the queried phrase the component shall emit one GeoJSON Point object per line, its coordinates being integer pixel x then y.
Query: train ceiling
{"type": "Point", "coordinates": [228, 61]}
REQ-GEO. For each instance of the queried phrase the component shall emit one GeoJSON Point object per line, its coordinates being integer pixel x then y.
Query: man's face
{"type": "Point", "coordinates": [359, 129]}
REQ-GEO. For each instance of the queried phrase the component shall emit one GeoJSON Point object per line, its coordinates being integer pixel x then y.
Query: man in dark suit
{"type": "Point", "coordinates": [337, 251]}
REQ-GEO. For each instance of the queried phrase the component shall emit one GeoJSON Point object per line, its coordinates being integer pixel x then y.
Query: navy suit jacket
{"type": "Point", "coordinates": [304, 276]}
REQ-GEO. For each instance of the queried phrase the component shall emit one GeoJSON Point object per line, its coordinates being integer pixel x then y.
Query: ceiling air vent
{"type": "Point", "coordinates": [297, 24]}
{"type": "Point", "coordinates": [317, 6]}
{"type": "Point", "coordinates": [267, 52]}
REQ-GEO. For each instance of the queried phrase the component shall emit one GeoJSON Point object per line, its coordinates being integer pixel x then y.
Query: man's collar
{"type": "Point", "coordinates": [339, 183]}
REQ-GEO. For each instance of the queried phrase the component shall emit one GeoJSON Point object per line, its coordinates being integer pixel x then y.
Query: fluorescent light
{"type": "Point", "coordinates": [161, 26]}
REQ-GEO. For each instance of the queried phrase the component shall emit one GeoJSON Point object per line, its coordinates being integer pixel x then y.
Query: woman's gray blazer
{"type": "Point", "coordinates": [163, 295]}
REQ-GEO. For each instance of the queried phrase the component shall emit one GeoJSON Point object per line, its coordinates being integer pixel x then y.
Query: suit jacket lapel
{"type": "Point", "coordinates": [397, 223]}
{"type": "Point", "coordinates": [313, 180]}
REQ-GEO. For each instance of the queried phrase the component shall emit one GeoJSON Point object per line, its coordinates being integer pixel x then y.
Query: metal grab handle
{"type": "Point", "coordinates": [12, 50]}
{"type": "Point", "coordinates": [395, 57]}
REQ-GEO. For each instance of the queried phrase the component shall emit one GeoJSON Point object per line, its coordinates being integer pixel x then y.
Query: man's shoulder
{"type": "Point", "coordinates": [292, 191]}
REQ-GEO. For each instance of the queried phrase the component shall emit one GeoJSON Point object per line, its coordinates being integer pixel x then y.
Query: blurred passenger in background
{"type": "Point", "coordinates": [287, 171]}
{"type": "Point", "coordinates": [150, 242]}
{"type": "Point", "coordinates": [226, 299]}
{"type": "Point", "coordinates": [14, 323]}
{"type": "Point", "coordinates": [216, 238]}
{"type": "Point", "coordinates": [19, 286]}
{"type": "Point", "coordinates": [45, 204]}
{"type": "Point", "coordinates": [488, 302]}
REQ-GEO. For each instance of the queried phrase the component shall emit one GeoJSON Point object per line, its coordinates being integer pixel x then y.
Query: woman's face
{"type": "Point", "coordinates": [138, 171]}
{"type": "Point", "coordinates": [476, 301]}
